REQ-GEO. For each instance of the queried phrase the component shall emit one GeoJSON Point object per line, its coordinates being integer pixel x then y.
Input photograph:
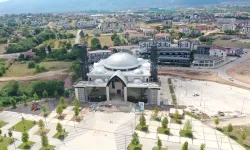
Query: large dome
{"type": "Point", "coordinates": [121, 61]}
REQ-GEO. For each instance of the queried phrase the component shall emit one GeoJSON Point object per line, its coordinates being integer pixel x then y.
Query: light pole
{"type": "Point", "coordinates": [242, 106]}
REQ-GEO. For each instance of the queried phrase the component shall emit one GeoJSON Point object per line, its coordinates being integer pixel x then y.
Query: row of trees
{"type": "Point", "coordinates": [32, 42]}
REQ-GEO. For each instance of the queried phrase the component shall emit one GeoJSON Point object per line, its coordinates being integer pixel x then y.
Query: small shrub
{"type": "Point", "coordinates": [185, 133]}
{"type": "Point", "coordinates": [31, 65]}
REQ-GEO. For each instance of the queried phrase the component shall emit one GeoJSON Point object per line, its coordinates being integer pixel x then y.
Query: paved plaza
{"type": "Point", "coordinates": [113, 130]}
{"type": "Point", "coordinates": [213, 97]}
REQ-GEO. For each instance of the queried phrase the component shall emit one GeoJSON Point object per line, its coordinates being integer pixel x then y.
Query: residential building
{"type": "Point", "coordinates": [160, 44]}
{"type": "Point", "coordinates": [185, 44]}
{"type": "Point", "coordinates": [218, 51]}
{"type": "Point", "coordinates": [228, 27]}
{"type": "Point", "coordinates": [226, 20]}
{"type": "Point", "coordinates": [246, 30]}
{"type": "Point", "coordinates": [168, 23]}
{"type": "Point", "coordinates": [206, 60]}
{"type": "Point", "coordinates": [205, 27]}
{"type": "Point", "coordinates": [173, 56]}
{"type": "Point", "coordinates": [203, 49]}
{"type": "Point", "coordinates": [95, 56]}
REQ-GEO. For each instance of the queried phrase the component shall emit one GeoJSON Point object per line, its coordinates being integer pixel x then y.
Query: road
{"type": "Point", "coordinates": [222, 71]}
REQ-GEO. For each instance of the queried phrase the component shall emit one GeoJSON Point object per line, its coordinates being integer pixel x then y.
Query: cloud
{"type": "Point", "coordinates": [3, 1]}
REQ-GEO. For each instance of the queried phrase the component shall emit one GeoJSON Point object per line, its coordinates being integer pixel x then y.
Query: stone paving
{"type": "Point", "coordinates": [203, 134]}
{"type": "Point", "coordinates": [112, 131]}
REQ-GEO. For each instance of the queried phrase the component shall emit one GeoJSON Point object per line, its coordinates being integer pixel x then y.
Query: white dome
{"type": "Point", "coordinates": [137, 81]}
{"type": "Point", "coordinates": [98, 81]}
{"type": "Point", "coordinates": [137, 71]}
{"type": "Point", "coordinates": [120, 61]}
{"type": "Point", "coordinates": [139, 59]}
{"type": "Point", "coordinates": [100, 71]}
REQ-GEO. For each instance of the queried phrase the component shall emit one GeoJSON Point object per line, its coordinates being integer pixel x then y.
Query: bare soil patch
{"type": "Point", "coordinates": [241, 72]}
{"type": "Point", "coordinates": [198, 75]}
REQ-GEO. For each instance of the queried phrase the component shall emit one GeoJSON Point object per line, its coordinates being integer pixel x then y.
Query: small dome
{"type": "Point", "coordinates": [100, 71]}
{"type": "Point", "coordinates": [98, 81]}
{"type": "Point", "coordinates": [146, 65]}
{"type": "Point", "coordinates": [137, 81]}
{"type": "Point", "coordinates": [97, 65]}
{"type": "Point", "coordinates": [137, 71]}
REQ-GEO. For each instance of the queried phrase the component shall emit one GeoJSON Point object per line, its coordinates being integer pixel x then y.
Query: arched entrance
{"type": "Point", "coordinates": [117, 88]}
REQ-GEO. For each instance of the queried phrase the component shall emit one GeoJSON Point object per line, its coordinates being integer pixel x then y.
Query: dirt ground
{"type": "Point", "coordinates": [198, 75]}
{"type": "Point", "coordinates": [241, 72]}
{"type": "Point", "coordinates": [2, 46]}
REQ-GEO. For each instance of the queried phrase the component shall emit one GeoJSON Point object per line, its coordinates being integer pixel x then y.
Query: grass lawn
{"type": "Point", "coordinates": [27, 145]}
{"type": "Point", "coordinates": [50, 147]}
{"type": "Point", "coordinates": [232, 43]}
{"type": "Point", "coordinates": [184, 133]}
{"type": "Point", "coordinates": [156, 148]}
{"type": "Point", "coordinates": [56, 65]}
{"type": "Point", "coordinates": [104, 39]}
{"type": "Point", "coordinates": [20, 128]}
{"type": "Point", "coordinates": [163, 130]}
{"type": "Point", "coordinates": [21, 69]}
{"type": "Point", "coordinates": [56, 44]}
{"type": "Point", "coordinates": [60, 136]}
{"type": "Point", "coordinates": [2, 50]}
{"type": "Point", "coordinates": [178, 121]}
{"type": "Point", "coordinates": [142, 128]}
{"type": "Point", "coordinates": [44, 131]}
{"type": "Point", "coordinates": [2, 123]}
{"type": "Point", "coordinates": [135, 147]}
{"type": "Point", "coordinates": [235, 135]}
{"type": "Point", "coordinates": [5, 142]}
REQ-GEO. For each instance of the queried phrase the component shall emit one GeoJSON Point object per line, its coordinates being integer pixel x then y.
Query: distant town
{"type": "Point", "coordinates": [153, 78]}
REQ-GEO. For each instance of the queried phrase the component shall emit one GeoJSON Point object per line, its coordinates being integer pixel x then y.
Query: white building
{"type": "Point", "coordinates": [218, 51]}
{"type": "Point", "coordinates": [121, 76]}
{"type": "Point", "coordinates": [186, 44]}
{"type": "Point", "coordinates": [246, 30]}
{"type": "Point", "coordinates": [228, 27]}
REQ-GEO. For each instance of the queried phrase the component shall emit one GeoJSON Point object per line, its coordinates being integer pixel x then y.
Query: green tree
{"type": "Point", "coordinates": [35, 96]}
{"type": "Point", "coordinates": [1, 105]}
{"type": "Point", "coordinates": [95, 44]}
{"type": "Point", "coordinates": [59, 128]}
{"type": "Point", "coordinates": [135, 139]}
{"type": "Point", "coordinates": [76, 102]}
{"type": "Point", "coordinates": [176, 115]}
{"type": "Point", "coordinates": [45, 94]}
{"type": "Point", "coordinates": [185, 146]}
{"type": "Point", "coordinates": [113, 36]}
{"type": "Point", "coordinates": [25, 137]}
{"type": "Point", "coordinates": [10, 133]}
{"type": "Point", "coordinates": [38, 69]}
{"type": "Point", "coordinates": [59, 109]}
{"type": "Point", "coordinates": [229, 128]}
{"type": "Point", "coordinates": [156, 111]}
{"type": "Point", "coordinates": [45, 141]}
{"type": "Point", "coordinates": [81, 34]}
{"type": "Point", "coordinates": [24, 98]}
{"type": "Point", "coordinates": [13, 102]}
{"type": "Point", "coordinates": [76, 110]}
{"type": "Point", "coordinates": [56, 94]}
{"type": "Point", "coordinates": [41, 124]}
{"type": "Point", "coordinates": [188, 125]}
{"type": "Point", "coordinates": [62, 100]}
{"type": "Point", "coordinates": [44, 108]}
{"type": "Point", "coordinates": [159, 143]}
{"type": "Point", "coordinates": [216, 121]}
{"type": "Point", "coordinates": [12, 88]}
{"type": "Point", "coordinates": [158, 28]}
{"type": "Point", "coordinates": [202, 147]}
{"type": "Point", "coordinates": [117, 41]}
{"type": "Point", "coordinates": [142, 120]}
{"type": "Point", "coordinates": [164, 122]}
